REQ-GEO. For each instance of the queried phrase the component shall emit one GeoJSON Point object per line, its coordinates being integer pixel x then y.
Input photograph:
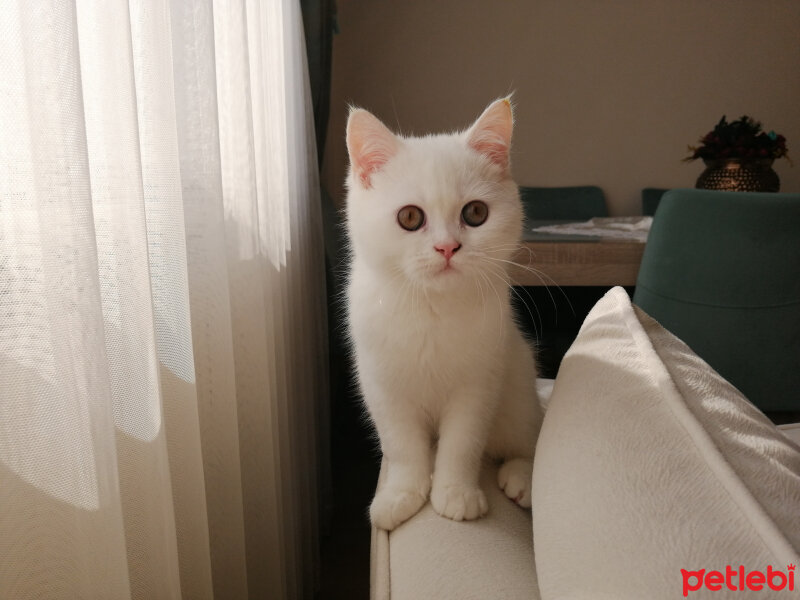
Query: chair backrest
{"type": "Point", "coordinates": [721, 270]}
{"type": "Point", "coordinates": [556, 203]}
{"type": "Point", "coordinates": [650, 199]}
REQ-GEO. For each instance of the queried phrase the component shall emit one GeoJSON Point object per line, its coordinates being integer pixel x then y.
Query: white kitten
{"type": "Point", "coordinates": [433, 223]}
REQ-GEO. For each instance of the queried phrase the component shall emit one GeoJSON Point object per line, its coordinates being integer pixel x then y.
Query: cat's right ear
{"type": "Point", "coordinates": [490, 135]}
{"type": "Point", "coordinates": [369, 143]}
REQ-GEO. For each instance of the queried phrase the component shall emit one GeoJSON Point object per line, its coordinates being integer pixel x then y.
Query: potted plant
{"type": "Point", "coordinates": [738, 156]}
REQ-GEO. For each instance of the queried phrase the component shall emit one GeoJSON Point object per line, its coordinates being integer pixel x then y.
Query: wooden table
{"type": "Point", "coordinates": [572, 260]}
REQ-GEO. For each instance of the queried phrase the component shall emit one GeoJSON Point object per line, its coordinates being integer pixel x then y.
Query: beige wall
{"type": "Point", "coordinates": [607, 92]}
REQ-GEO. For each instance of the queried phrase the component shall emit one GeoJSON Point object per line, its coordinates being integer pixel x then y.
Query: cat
{"type": "Point", "coordinates": [433, 223]}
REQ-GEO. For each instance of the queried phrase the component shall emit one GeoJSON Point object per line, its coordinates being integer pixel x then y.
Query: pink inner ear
{"type": "Point", "coordinates": [370, 145]}
{"type": "Point", "coordinates": [491, 133]}
{"type": "Point", "coordinates": [369, 162]}
{"type": "Point", "coordinates": [493, 147]}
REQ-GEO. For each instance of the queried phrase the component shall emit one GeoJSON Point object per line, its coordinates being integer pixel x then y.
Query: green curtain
{"type": "Point", "coordinates": [319, 23]}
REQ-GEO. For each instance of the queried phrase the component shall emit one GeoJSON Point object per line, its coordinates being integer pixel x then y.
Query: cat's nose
{"type": "Point", "coordinates": [447, 249]}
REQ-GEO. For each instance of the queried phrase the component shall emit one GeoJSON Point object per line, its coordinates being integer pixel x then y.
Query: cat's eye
{"type": "Point", "coordinates": [410, 217]}
{"type": "Point", "coordinates": [475, 213]}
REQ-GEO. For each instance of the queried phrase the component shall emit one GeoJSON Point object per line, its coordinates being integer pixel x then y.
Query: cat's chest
{"type": "Point", "coordinates": [416, 335]}
{"type": "Point", "coordinates": [420, 330]}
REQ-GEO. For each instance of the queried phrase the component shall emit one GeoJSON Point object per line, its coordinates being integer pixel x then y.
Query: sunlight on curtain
{"type": "Point", "coordinates": [163, 359]}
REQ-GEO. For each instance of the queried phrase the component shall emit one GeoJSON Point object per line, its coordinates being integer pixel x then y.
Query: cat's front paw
{"type": "Point", "coordinates": [514, 478]}
{"type": "Point", "coordinates": [459, 502]}
{"type": "Point", "coordinates": [393, 506]}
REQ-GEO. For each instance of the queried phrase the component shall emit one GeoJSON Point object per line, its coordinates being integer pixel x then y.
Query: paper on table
{"type": "Point", "coordinates": [635, 228]}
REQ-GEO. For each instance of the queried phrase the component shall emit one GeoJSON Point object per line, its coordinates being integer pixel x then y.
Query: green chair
{"type": "Point", "coordinates": [721, 270]}
{"type": "Point", "coordinates": [650, 199]}
{"type": "Point", "coordinates": [579, 203]}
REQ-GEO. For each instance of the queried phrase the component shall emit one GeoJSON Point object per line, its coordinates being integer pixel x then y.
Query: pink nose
{"type": "Point", "coordinates": [447, 249]}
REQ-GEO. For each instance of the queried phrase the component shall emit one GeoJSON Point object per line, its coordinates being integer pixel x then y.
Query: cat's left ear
{"type": "Point", "coordinates": [490, 135]}
{"type": "Point", "coordinates": [369, 143]}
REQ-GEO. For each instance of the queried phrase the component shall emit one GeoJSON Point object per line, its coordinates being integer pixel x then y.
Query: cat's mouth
{"type": "Point", "coordinates": [440, 272]}
{"type": "Point", "coordinates": [447, 268]}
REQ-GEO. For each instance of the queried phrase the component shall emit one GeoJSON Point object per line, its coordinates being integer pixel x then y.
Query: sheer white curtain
{"type": "Point", "coordinates": [163, 376]}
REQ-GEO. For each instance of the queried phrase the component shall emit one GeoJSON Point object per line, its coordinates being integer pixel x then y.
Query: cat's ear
{"type": "Point", "coordinates": [369, 143]}
{"type": "Point", "coordinates": [490, 135]}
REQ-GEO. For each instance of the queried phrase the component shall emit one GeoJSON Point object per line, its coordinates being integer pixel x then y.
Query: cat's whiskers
{"type": "Point", "coordinates": [415, 288]}
{"type": "Point", "coordinates": [406, 289]}
{"type": "Point", "coordinates": [533, 320]}
{"type": "Point", "coordinates": [546, 280]}
{"type": "Point", "coordinates": [541, 276]}
{"type": "Point", "coordinates": [484, 279]}
{"type": "Point", "coordinates": [483, 300]}
{"type": "Point", "coordinates": [501, 272]}
{"type": "Point", "coordinates": [488, 281]}
{"type": "Point", "coordinates": [531, 302]}
{"type": "Point", "coordinates": [425, 293]}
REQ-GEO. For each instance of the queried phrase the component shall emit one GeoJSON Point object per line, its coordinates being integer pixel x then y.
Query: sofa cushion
{"type": "Point", "coordinates": [648, 463]}
{"type": "Point", "coordinates": [430, 556]}
{"type": "Point", "coordinates": [792, 431]}
{"type": "Point", "coordinates": [433, 557]}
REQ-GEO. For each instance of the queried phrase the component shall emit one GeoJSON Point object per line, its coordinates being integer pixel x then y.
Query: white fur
{"type": "Point", "coordinates": [443, 369]}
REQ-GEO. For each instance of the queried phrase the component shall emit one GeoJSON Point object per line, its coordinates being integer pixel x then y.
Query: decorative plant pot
{"type": "Point", "coordinates": [739, 175]}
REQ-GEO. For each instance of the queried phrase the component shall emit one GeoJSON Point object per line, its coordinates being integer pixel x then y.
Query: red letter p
{"type": "Point", "coordinates": [687, 585]}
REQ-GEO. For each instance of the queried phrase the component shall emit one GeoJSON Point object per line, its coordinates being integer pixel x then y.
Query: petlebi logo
{"type": "Point", "coordinates": [738, 579]}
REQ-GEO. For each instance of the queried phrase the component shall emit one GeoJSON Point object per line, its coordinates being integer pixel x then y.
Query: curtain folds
{"type": "Point", "coordinates": [163, 359]}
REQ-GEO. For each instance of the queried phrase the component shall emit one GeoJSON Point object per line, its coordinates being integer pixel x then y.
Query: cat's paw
{"type": "Point", "coordinates": [458, 502]}
{"type": "Point", "coordinates": [393, 506]}
{"type": "Point", "coordinates": [514, 478]}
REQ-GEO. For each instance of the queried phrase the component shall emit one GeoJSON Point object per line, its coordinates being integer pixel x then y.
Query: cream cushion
{"type": "Point", "coordinates": [430, 557]}
{"type": "Point", "coordinates": [791, 431]}
{"type": "Point", "coordinates": [433, 558]}
{"type": "Point", "coordinates": [649, 462]}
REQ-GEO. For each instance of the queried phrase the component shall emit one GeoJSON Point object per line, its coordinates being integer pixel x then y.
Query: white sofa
{"type": "Point", "coordinates": [653, 478]}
